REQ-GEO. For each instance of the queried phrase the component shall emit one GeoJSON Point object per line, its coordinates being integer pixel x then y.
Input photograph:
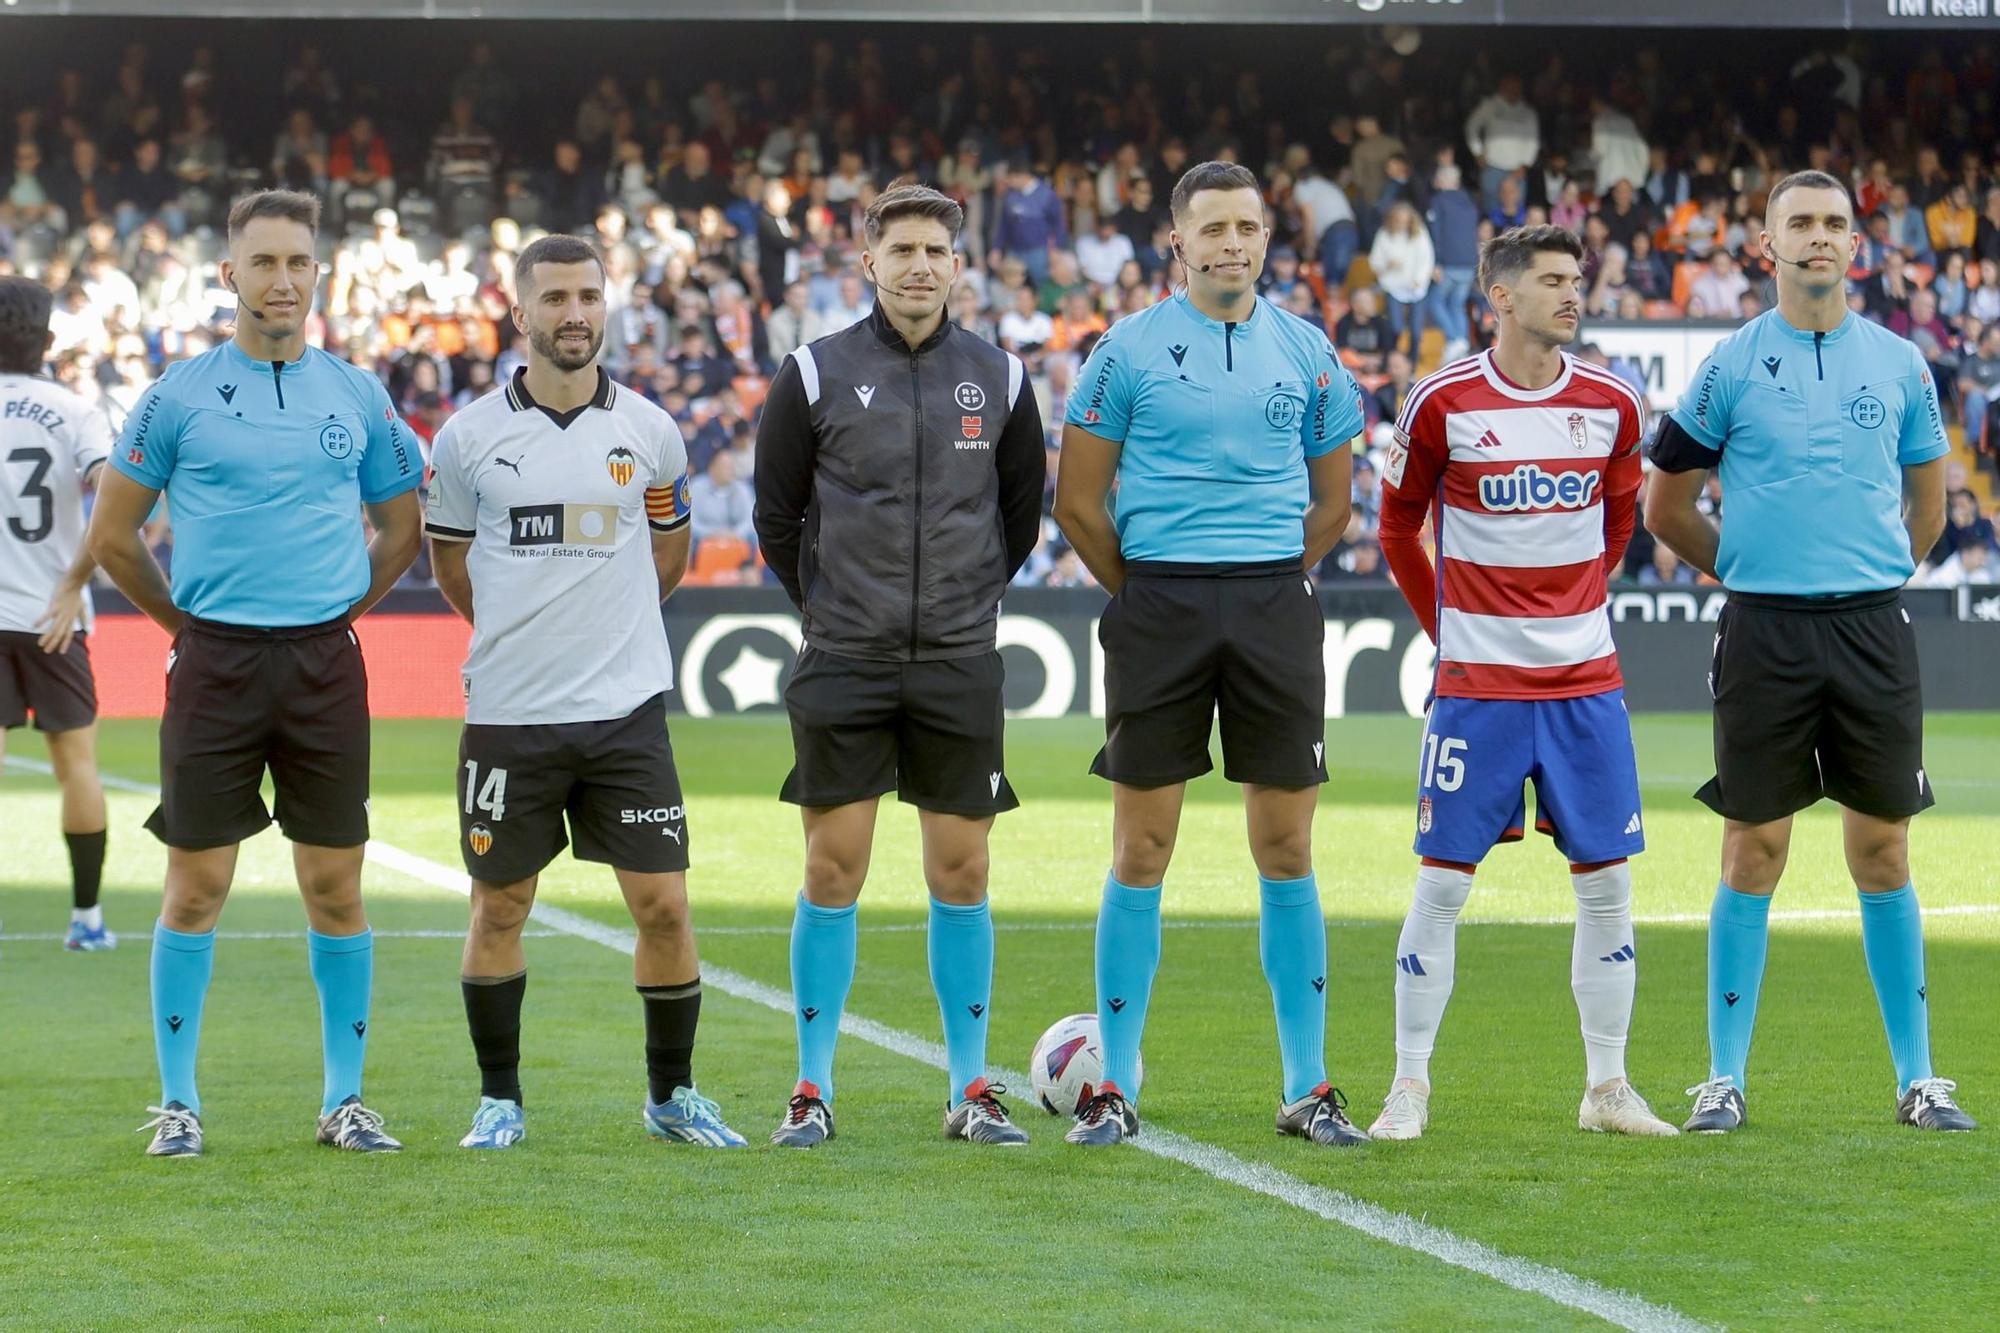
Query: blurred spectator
{"type": "Point", "coordinates": [1386, 402]}
{"type": "Point", "coordinates": [571, 192]}
{"type": "Point", "coordinates": [1951, 223]}
{"type": "Point", "coordinates": [1617, 149]}
{"type": "Point", "coordinates": [1025, 330]}
{"type": "Point", "coordinates": [794, 323]}
{"type": "Point", "coordinates": [144, 189]}
{"type": "Point", "coordinates": [299, 153]}
{"type": "Point", "coordinates": [853, 304]}
{"type": "Point", "coordinates": [1326, 219]}
{"type": "Point", "coordinates": [1403, 261]}
{"type": "Point", "coordinates": [361, 176]}
{"type": "Point", "coordinates": [1888, 292]}
{"type": "Point", "coordinates": [1665, 569]}
{"type": "Point", "coordinates": [1716, 293]}
{"type": "Point", "coordinates": [1364, 333]}
{"type": "Point", "coordinates": [1031, 223]}
{"type": "Point", "coordinates": [1101, 254]}
{"type": "Point", "coordinates": [1973, 564]}
{"type": "Point", "coordinates": [1907, 229]}
{"type": "Point", "coordinates": [1978, 383]}
{"type": "Point", "coordinates": [1505, 135]}
{"type": "Point", "coordinates": [721, 502]}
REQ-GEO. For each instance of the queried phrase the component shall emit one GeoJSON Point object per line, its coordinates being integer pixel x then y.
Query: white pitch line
{"type": "Point", "coordinates": [1616, 1307]}
{"type": "Point", "coordinates": [147, 934]}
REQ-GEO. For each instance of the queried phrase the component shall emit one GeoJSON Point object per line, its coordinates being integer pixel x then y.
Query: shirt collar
{"type": "Point", "coordinates": [521, 400]}
{"type": "Point", "coordinates": [1838, 332]}
{"type": "Point", "coordinates": [886, 333]}
{"type": "Point", "coordinates": [1188, 308]}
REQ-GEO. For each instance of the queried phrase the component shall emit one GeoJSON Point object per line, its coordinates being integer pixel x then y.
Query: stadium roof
{"type": "Point", "coordinates": [1909, 15]}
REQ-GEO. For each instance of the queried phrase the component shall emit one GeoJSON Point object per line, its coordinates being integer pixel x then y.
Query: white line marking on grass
{"type": "Point", "coordinates": [147, 934]}
{"type": "Point", "coordinates": [1617, 1307]}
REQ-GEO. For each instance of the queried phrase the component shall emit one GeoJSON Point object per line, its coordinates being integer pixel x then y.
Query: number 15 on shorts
{"type": "Point", "coordinates": [1444, 763]}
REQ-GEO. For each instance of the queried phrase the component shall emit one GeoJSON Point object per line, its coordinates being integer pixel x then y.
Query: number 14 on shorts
{"type": "Point", "coordinates": [491, 797]}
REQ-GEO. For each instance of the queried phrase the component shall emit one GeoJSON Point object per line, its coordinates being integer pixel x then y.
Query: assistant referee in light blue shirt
{"type": "Point", "coordinates": [1226, 424]}
{"type": "Point", "coordinates": [267, 450]}
{"type": "Point", "coordinates": [1825, 431]}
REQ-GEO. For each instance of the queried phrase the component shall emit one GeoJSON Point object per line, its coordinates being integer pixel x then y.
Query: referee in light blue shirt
{"type": "Point", "coordinates": [1226, 424]}
{"type": "Point", "coordinates": [267, 449]}
{"type": "Point", "coordinates": [1824, 429]}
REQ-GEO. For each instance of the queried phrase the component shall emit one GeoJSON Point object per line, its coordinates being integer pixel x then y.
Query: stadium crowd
{"type": "Point", "coordinates": [728, 212]}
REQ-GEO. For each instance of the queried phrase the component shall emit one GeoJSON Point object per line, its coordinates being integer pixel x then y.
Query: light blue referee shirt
{"type": "Point", "coordinates": [1217, 421]}
{"type": "Point", "coordinates": [1811, 433]}
{"type": "Point", "coordinates": [266, 465]}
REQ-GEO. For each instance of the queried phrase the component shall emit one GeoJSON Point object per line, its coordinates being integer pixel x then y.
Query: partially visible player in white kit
{"type": "Point", "coordinates": [1527, 463]}
{"type": "Point", "coordinates": [559, 520]}
{"type": "Point", "coordinates": [51, 445]}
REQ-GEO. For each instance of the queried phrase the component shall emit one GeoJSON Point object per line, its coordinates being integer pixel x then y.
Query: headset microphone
{"type": "Point", "coordinates": [1181, 255]}
{"type": "Point", "coordinates": [1795, 263]}
{"type": "Point", "coordinates": [255, 314]}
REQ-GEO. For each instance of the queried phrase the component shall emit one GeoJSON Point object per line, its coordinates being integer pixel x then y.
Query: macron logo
{"type": "Point", "coordinates": [1528, 488]}
{"type": "Point", "coordinates": [866, 393]}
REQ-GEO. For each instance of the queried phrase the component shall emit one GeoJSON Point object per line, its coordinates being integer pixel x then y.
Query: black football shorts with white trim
{"type": "Point", "coordinates": [932, 732]}
{"type": "Point", "coordinates": [614, 782]}
{"type": "Point", "coordinates": [57, 688]}
{"type": "Point", "coordinates": [1184, 643]}
{"type": "Point", "coordinates": [242, 699]}
{"type": "Point", "coordinates": [1817, 696]}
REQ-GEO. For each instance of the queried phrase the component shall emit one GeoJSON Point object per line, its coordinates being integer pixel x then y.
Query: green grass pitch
{"type": "Point", "coordinates": [1822, 1213]}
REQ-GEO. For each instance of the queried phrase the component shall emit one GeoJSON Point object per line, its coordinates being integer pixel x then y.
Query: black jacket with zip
{"type": "Point", "coordinates": [899, 489]}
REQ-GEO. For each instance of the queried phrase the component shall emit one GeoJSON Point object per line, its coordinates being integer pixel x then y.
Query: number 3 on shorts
{"type": "Point", "coordinates": [1444, 766]}
{"type": "Point", "coordinates": [492, 797]}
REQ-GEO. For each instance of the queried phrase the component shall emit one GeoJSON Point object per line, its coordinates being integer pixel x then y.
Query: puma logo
{"type": "Point", "coordinates": [515, 467]}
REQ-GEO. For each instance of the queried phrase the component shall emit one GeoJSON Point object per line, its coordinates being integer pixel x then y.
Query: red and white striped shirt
{"type": "Point", "coordinates": [1532, 495]}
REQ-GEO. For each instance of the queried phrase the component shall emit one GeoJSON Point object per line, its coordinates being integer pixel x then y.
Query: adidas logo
{"type": "Point", "coordinates": [1117, 1005]}
{"type": "Point", "coordinates": [1409, 963]}
{"type": "Point", "coordinates": [1487, 441]}
{"type": "Point", "coordinates": [1319, 984]}
{"type": "Point", "coordinates": [1632, 824]}
{"type": "Point", "coordinates": [1730, 998]}
{"type": "Point", "coordinates": [361, 1028]}
{"type": "Point", "coordinates": [173, 1022]}
{"type": "Point", "coordinates": [866, 393]}
{"type": "Point", "coordinates": [809, 1013]}
{"type": "Point", "coordinates": [1623, 954]}
{"type": "Point", "coordinates": [975, 1009]}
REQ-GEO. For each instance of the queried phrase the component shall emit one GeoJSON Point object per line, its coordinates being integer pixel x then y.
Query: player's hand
{"type": "Point", "coordinates": [58, 619]}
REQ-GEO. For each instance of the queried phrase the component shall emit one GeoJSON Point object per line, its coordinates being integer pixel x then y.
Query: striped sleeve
{"type": "Point", "coordinates": [667, 506]}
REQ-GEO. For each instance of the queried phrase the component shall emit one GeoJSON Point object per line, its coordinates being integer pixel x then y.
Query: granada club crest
{"type": "Point", "coordinates": [1423, 815]}
{"type": "Point", "coordinates": [970, 427]}
{"type": "Point", "coordinates": [1578, 435]}
{"type": "Point", "coordinates": [621, 464]}
{"type": "Point", "coordinates": [480, 838]}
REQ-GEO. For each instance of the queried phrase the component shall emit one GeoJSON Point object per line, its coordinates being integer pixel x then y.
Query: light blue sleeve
{"type": "Point", "coordinates": [1922, 437]}
{"type": "Point", "coordinates": [1101, 402]}
{"type": "Point", "coordinates": [1333, 404]}
{"type": "Point", "coordinates": [1709, 402]}
{"type": "Point", "coordinates": [391, 464]}
{"type": "Point", "coordinates": [151, 440]}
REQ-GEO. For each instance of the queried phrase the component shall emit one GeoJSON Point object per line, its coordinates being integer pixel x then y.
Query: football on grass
{"type": "Point", "coordinates": [1068, 1064]}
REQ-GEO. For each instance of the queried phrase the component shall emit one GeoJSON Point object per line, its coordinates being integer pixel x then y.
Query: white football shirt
{"type": "Point", "coordinates": [559, 509]}
{"type": "Point", "coordinates": [50, 439]}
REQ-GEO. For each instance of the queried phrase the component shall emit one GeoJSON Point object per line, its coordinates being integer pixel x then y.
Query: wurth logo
{"type": "Point", "coordinates": [1528, 488]}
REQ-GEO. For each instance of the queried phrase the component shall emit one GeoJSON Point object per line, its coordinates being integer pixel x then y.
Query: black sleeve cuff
{"type": "Point", "coordinates": [680, 522]}
{"type": "Point", "coordinates": [1674, 450]}
{"type": "Point", "coordinates": [449, 534]}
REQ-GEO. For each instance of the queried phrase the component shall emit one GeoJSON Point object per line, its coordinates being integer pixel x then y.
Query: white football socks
{"type": "Point", "coordinates": [1602, 970]}
{"type": "Point", "coordinates": [1426, 955]}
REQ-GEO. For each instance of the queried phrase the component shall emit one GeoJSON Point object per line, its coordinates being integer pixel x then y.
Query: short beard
{"type": "Point", "coordinates": [549, 350]}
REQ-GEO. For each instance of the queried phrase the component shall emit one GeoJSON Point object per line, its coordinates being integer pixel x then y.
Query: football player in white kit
{"type": "Point", "coordinates": [51, 445]}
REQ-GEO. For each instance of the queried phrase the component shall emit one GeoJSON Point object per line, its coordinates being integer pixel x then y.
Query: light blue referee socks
{"type": "Point", "coordinates": [823, 944]}
{"type": "Point", "coordinates": [1738, 937]}
{"type": "Point", "coordinates": [182, 965]}
{"type": "Point", "coordinates": [1291, 941]}
{"type": "Point", "coordinates": [1128, 954]}
{"type": "Point", "coordinates": [1892, 939]}
{"type": "Point", "coordinates": [343, 967]}
{"type": "Point", "coordinates": [961, 954]}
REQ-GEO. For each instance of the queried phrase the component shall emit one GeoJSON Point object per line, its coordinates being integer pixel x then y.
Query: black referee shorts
{"type": "Point", "coordinates": [240, 700]}
{"type": "Point", "coordinates": [1183, 643]}
{"type": "Point", "coordinates": [56, 687]}
{"type": "Point", "coordinates": [932, 732]}
{"type": "Point", "coordinates": [1817, 697]}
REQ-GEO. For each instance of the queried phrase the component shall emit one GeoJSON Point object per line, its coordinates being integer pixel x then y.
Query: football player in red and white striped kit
{"type": "Point", "coordinates": [1526, 461]}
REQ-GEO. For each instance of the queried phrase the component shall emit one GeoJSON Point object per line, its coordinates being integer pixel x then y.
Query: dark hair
{"type": "Point", "coordinates": [911, 201]}
{"type": "Point", "coordinates": [292, 205]}
{"type": "Point", "coordinates": [1208, 176]}
{"type": "Point", "coordinates": [555, 248]}
{"type": "Point", "coordinates": [24, 325]}
{"type": "Point", "coordinates": [1804, 180]}
{"type": "Point", "coordinates": [1507, 256]}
